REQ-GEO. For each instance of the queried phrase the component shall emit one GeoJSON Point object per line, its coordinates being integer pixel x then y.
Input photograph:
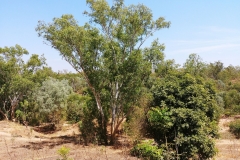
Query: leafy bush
{"type": "Point", "coordinates": [235, 128]}
{"type": "Point", "coordinates": [147, 150]}
{"type": "Point", "coordinates": [75, 104]}
{"type": "Point", "coordinates": [231, 98]}
{"type": "Point", "coordinates": [88, 123]}
{"type": "Point", "coordinates": [88, 131]}
{"type": "Point", "coordinates": [184, 114]}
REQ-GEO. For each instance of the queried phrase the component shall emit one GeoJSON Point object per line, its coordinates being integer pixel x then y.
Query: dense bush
{"type": "Point", "coordinates": [75, 105]}
{"type": "Point", "coordinates": [88, 125]}
{"type": "Point", "coordinates": [185, 115]}
{"type": "Point", "coordinates": [235, 128]}
{"type": "Point", "coordinates": [236, 109]}
{"type": "Point", "coordinates": [231, 98]}
{"type": "Point", "coordinates": [147, 150]}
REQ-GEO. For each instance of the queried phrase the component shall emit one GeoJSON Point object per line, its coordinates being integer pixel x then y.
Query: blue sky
{"type": "Point", "coordinates": [210, 29]}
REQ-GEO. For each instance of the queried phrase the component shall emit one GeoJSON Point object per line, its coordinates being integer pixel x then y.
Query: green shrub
{"type": "Point", "coordinates": [63, 152]}
{"type": "Point", "coordinates": [147, 150]}
{"type": "Point", "coordinates": [236, 109]}
{"type": "Point", "coordinates": [235, 128]}
{"type": "Point", "coordinates": [88, 131]}
{"type": "Point", "coordinates": [184, 114]}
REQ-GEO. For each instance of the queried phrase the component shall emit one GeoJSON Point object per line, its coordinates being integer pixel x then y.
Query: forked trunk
{"type": "Point", "coordinates": [115, 129]}
{"type": "Point", "coordinates": [14, 103]}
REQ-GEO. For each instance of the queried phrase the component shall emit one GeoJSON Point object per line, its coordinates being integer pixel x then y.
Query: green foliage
{"type": "Point", "coordinates": [236, 86]}
{"type": "Point", "coordinates": [154, 54]}
{"type": "Point", "coordinates": [214, 69]}
{"type": "Point", "coordinates": [88, 131]}
{"type": "Point", "coordinates": [75, 104]}
{"type": "Point", "coordinates": [195, 66]}
{"type": "Point", "coordinates": [28, 112]}
{"type": "Point", "coordinates": [236, 109]}
{"type": "Point", "coordinates": [63, 152]}
{"type": "Point", "coordinates": [147, 150]}
{"type": "Point", "coordinates": [220, 101]}
{"type": "Point", "coordinates": [88, 125]}
{"type": "Point", "coordinates": [186, 115]}
{"type": "Point", "coordinates": [229, 73]}
{"type": "Point", "coordinates": [167, 67]}
{"type": "Point", "coordinates": [160, 119]}
{"type": "Point", "coordinates": [20, 115]}
{"type": "Point", "coordinates": [231, 98]}
{"type": "Point", "coordinates": [235, 128]}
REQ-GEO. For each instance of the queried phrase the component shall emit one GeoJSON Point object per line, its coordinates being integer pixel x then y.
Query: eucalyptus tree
{"type": "Point", "coordinates": [154, 54]}
{"type": "Point", "coordinates": [107, 51]}
{"type": "Point", "coordinates": [214, 69]}
{"type": "Point", "coordinates": [195, 66]}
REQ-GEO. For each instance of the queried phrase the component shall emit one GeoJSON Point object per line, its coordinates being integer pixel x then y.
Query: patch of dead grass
{"type": "Point", "coordinates": [31, 145]}
{"type": "Point", "coordinates": [228, 146]}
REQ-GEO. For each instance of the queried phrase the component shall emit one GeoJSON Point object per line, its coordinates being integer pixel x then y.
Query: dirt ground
{"type": "Point", "coordinates": [18, 142]}
{"type": "Point", "coordinates": [228, 146]}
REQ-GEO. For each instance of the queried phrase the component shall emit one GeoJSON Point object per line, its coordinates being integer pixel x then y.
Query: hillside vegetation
{"type": "Point", "coordinates": [120, 86]}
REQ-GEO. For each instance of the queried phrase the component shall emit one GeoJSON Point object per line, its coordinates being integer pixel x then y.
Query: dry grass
{"type": "Point", "coordinates": [228, 146]}
{"type": "Point", "coordinates": [18, 142]}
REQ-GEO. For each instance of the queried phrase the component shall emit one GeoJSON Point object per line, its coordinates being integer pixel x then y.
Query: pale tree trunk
{"type": "Point", "coordinates": [115, 129]}
{"type": "Point", "coordinates": [116, 109]}
{"type": "Point", "coordinates": [14, 103]}
{"type": "Point", "coordinates": [114, 104]}
{"type": "Point", "coordinates": [120, 119]}
{"type": "Point", "coordinates": [153, 69]}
